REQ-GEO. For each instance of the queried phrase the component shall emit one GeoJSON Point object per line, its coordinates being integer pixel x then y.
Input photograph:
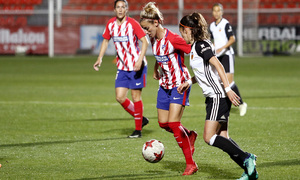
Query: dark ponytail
{"type": "Point", "coordinates": [198, 26]}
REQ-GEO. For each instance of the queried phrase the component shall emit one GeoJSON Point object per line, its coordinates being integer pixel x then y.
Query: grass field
{"type": "Point", "coordinates": [59, 120]}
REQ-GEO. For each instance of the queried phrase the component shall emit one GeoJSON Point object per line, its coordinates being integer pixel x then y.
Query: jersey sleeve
{"type": "Point", "coordinates": [179, 43]}
{"type": "Point", "coordinates": [204, 50]}
{"type": "Point", "coordinates": [228, 31]}
{"type": "Point", "coordinates": [106, 33]}
{"type": "Point", "coordinates": [138, 30]}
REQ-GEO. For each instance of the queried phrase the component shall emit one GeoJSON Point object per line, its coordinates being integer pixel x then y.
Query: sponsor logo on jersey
{"type": "Point", "coordinates": [120, 38]}
{"type": "Point", "coordinates": [162, 58]}
{"type": "Point", "coordinates": [205, 49]}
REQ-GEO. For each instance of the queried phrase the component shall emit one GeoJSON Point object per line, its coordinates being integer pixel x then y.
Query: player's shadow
{"type": "Point", "coordinates": [288, 162]}
{"type": "Point", "coordinates": [58, 142]}
{"type": "Point", "coordinates": [147, 175]}
{"type": "Point", "coordinates": [215, 172]}
{"type": "Point", "coordinates": [119, 119]}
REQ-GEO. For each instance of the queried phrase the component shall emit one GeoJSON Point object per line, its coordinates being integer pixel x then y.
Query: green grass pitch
{"type": "Point", "coordinates": [59, 120]}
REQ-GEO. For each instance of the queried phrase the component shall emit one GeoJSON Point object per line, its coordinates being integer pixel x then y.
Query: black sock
{"type": "Point", "coordinates": [237, 160]}
{"type": "Point", "coordinates": [235, 153]}
{"type": "Point", "coordinates": [236, 90]}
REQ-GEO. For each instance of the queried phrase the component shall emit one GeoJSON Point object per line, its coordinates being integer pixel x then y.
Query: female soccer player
{"type": "Point", "coordinates": [131, 62]}
{"type": "Point", "coordinates": [168, 49]}
{"type": "Point", "coordinates": [210, 75]}
{"type": "Point", "coordinates": [223, 37]}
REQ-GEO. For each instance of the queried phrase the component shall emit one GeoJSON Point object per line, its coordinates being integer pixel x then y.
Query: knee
{"type": "Point", "coordinates": [120, 99]}
{"type": "Point", "coordinates": [209, 139]}
{"type": "Point", "coordinates": [165, 126]}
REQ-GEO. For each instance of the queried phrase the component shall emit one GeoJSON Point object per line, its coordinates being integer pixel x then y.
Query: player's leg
{"type": "Point", "coordinates": [163, 105]}
{"type": "Point", "coordinates": [121, 88]}
{"type": "Point", "coordinates": [163, 118]}
{"type": "Point", "coordinates": [243, 159]}
{"type": "Point", "coordinates": [175, 114]}
{"type": "Point", "coordinates": [230, 76]}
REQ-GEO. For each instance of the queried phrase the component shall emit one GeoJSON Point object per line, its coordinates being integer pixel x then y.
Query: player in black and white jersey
{"type": "Point", "coordinates": [223, 37]}
{"type": "Point", "coordinates": [209, 73]}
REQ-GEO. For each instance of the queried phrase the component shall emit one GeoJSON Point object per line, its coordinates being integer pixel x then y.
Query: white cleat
{"type": "Point", "coordinates": [243, 109]}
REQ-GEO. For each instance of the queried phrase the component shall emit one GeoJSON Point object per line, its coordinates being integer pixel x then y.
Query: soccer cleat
{"type": "Point", "coordinates": [250, 164]}
{"type": "Point", "coordinates": [254, 176]}
{"type": "Point", "coordinates": [135, 134]}
{"type": "Point", "coordinates": [243, 109]}
{"type": "Point", "coordinates": [244, 176]}
{"type": "Point", "coordinates": [190, 169]}
{"type": "Point", "coordinates": [145, 121]}
{"type": "Point", "coordinates": [193, 136]}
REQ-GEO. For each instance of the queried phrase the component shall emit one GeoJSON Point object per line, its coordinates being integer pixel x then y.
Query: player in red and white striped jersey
{"type": "Point", "coordinates": [168, 49]}
{"type": "Point", "coordinates": [169, 53]}
{"type": "Point", "coordinates": [131, 62]}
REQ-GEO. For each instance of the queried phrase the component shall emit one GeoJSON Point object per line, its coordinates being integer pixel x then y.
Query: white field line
{"type": "Point", "coordinates": [117, 104]}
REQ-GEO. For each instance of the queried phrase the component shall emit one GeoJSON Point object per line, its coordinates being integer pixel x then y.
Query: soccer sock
{"type": "Point", "coordinates": [128, 106]}
{"type": "Point", "coordinates": [182, 140]}
{"type": "Point", "coordinates": [138, 115]}
{"type": "Point", "coordinates": [234, 87]}
{"type": "Point", "coordinates": [230, 148]}
{"type": "Point", "coordinates": [235, 159]}
{"type": "Point", "coordinates": [165, 126]}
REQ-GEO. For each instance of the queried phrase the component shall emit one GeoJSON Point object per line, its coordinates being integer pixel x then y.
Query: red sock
{"type": "Point", "coordinates": [165, 126]}
{"type": "Point", "coordinates": [138, 115]}
{"type": "Point", "coordinates": [182, 140]}
{"type": "Point", "coordinates": [128, 106]}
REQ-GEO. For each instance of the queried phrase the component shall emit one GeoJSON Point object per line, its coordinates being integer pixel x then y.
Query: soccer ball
{"type": "Point", "coordinates": [153, 151]}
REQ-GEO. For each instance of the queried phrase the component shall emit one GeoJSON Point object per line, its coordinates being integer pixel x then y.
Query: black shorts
{"type": "Point", "coordinates": [228, 62]}
{"type": "Point", "coordinates": [217, 109]}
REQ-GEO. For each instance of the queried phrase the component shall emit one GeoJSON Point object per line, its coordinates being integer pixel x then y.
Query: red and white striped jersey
{"type": "Point", "coordinates": [169, 53]}
{"type": "Point", "coordinates": [125, 37]}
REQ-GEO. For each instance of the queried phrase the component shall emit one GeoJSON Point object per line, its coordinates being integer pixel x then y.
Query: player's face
{"type": "Point", "coordinates": [217, 12]}
{"type": "Point", "coordinates": [150, 28]}
{"type": "Point", "coordinates": [186, 34]}
{"type": "Point", "coordinates": [120, 9]}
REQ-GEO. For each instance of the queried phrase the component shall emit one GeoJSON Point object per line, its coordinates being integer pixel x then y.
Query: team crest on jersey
{"type": "Point", "coordinates": [163, 47]}
{"type": "Point", "coordinates": [120, 38]}
{"type": "Point", "coordinates": [192, 56]}
{"type": "Point", "coordinates": [220, 30]}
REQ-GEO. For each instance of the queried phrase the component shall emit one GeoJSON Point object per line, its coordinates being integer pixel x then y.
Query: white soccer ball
{"type": "Point", "coordinates": [153, 151]}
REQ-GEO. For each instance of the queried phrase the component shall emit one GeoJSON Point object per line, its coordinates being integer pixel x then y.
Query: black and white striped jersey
{"type": "Point", "coordinates": [206, 74]}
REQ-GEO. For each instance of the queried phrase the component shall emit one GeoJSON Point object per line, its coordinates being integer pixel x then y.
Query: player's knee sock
{"type": "Point", "coordinates": [234, 87]}
{"type": "Point", "coordinates": [128, 106]}
{"type": "Point", "coordinates": [182, 140]}
{"type": "Point", "coordinates": [235, 159]}
{"type": "Point", "coordinates": [230, 148]}
{"type": "Point", "coordinates": [138, 115]}
{"type": "Point", "coordinates": [165, 126]}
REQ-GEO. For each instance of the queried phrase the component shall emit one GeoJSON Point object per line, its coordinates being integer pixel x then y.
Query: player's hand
{"type": "Point", "coordinates": [219, 50]}
{"type": "Point", "coordinates": [183, 87]}
{"type": "Point", "coordinates": [156, 75]}
{"type": "Point", "coordinates": [97, 64]}
{"type": "Point", "coordinates": [234, 98]}
{"type": "Point", "coordinates": [137, 65]}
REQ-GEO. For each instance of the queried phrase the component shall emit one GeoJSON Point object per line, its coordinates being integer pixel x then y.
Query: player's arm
{"type": "Point", "coordinates": [156, 74]}
{"type": "Point", "coordinates": [185, 86]}
{"type": "Point", "coordinates": [139, 62]}
{"type": "Point", "coordinates": [101, 54]}
{"type": "Point", "coordinates": [230, 36]}
{"type": "Point", "coordinates": [230, 41]}
{"type": "Point", "coordinates": [234, 98]}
